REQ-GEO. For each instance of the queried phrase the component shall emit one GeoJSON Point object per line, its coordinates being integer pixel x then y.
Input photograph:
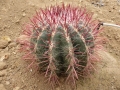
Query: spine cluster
{"type": "Point", "coordinates": [63, 41]}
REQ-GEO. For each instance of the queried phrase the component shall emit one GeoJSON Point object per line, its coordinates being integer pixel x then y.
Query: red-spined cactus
{"type": "Point", "coordinates": [62, 41]}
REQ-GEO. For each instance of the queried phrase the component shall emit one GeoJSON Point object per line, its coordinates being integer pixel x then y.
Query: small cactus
{"type": "Point", "coordinates": [63, 41]}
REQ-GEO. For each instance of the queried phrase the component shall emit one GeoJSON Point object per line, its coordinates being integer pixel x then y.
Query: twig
{"type": "Point", "coordinates": [109, 24]}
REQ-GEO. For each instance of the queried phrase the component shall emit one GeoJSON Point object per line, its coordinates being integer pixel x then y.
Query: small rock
{"type": "Point", "coordinates": [24, 14]}
{"type": "Point", "coordinates": [3, 73]}
{"type": "Point", "coordinates": [7, 38]}
{"type": "Point", "coordinates": [3, 44]}
{"type": "Point", "coordinates": [16, 88]}
{"type": "Point", "coordinates": [80, 1]}
{"type": "Point", "coordinates": [113, 88]}
{"type": "Point", "coordinates": [14, 53]}
{"type": "Point", "coordinates": [3, 65]}
{"type": "Point", "coordinates": [23, 10]}
{"type": "Point", "coordinates": [17, 21]}
{"type": "Point", "coordinates": [117, 37]}
{"type": "Point", "coordinates": [11, 45]}
{"type": "Point", "coordinates": [31, 70]}
{"type": "Point", "coordinates": [5, 56]}
{"type": "Point", "coordinates": [108, 35]}
{"type": "Point", "coordinates": [114, 77]}
{"type": "Point", "coordinates": [23, 87]}
{"type": "Point", "coordinates": [110, 51]}
{"type": "Point", "coordinates": [2, 87]}
{"type": "Point", "coordinates": [7, 82]}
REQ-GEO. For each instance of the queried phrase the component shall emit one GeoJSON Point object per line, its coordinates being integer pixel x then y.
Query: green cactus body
{"type": "Point", "coordinates": [63, 40]}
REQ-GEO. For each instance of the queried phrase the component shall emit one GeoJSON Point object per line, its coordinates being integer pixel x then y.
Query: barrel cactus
{"type": "Point", "coordinates": [63, 42]}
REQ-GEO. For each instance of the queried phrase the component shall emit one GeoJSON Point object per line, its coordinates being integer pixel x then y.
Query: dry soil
{"type": "Point", "coordinates": [13, 72]}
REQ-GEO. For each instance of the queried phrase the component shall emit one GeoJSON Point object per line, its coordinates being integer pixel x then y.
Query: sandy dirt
{"type": "Point", "coordinates": [13, 72]}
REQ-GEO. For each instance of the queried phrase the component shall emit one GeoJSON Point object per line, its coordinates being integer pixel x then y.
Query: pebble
{"type": "Point", "coordinates": [80, 1]}
{"type": "Point", "coordinates": [7, 38]}
{"type": "Point", "coordinates": [14, 53]}
{"type": "Point", "coordinates": [17, 21]}
{"type": "Point", "coordinates": [16, 88]}
{"type": "Point", "coordinates": [3, 73]}
{"type": "Point", "coordinates": [7, 82]}
{"type": "Point", "coordinates": [3, 44]}
{"type": "Point", "coordinates": [110, 51]}
{"type": "Point", "coordinates": [11, 45]}
{"type": "Point", "coordinates": [3, 65]}
{"type": "Point", "coordinates": [2, 87]}
{"type": "Point", "coordinates": [117, 37]}
{"type": "Point", "coordinates": [4, 56]}
{"type": "Point", "coordinates": [24, 14]}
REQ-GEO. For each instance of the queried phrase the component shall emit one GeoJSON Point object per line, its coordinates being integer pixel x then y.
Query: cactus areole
{"type": "Point", "coordinates": [62, 41]}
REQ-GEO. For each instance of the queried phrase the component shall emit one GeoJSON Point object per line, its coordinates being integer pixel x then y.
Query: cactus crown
{"type": "Point", "coordinates": [63, 41]}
